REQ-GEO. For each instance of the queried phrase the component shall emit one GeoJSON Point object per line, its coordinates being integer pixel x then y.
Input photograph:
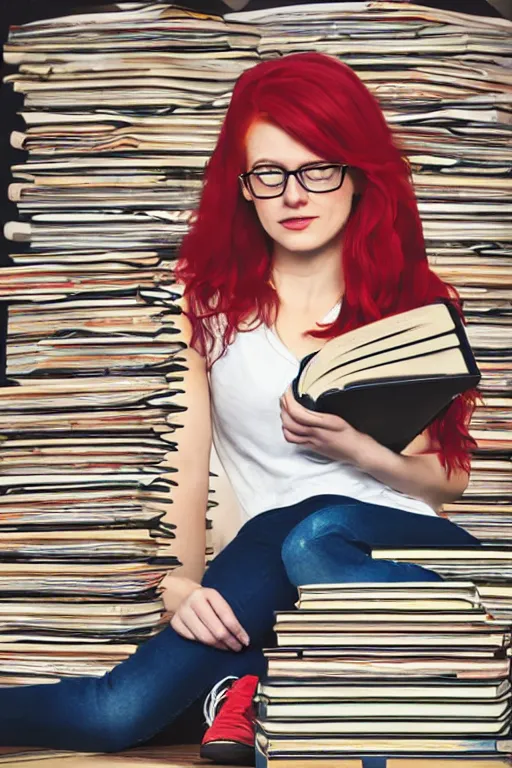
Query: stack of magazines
{"type": "Point", "coordinates": [122, 109]}
{"type": "Point", "coordinates": [91, 410]}
{"type": "Point", "coordinates": [400, 669]}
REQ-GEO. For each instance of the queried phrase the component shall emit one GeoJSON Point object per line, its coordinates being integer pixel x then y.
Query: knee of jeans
{"type": "Point", "coordinates": [304, 545]}
{"type": "Point", "coordinates": [299, 548]}
{"type": "Point", "coordinates": [303, 538]}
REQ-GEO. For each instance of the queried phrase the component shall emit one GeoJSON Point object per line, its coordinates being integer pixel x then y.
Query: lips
{"type": "Point", "coordinates": [297, 218]}
{"type": "Point", "coordinates": [298, 223]}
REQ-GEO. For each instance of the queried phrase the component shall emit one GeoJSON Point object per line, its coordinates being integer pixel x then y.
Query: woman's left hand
{"type": "Point", "coordinates": [322, 433]}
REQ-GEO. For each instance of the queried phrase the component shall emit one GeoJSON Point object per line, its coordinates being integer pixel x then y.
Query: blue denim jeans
{"type": "Point", "coordinates": [325, 538]}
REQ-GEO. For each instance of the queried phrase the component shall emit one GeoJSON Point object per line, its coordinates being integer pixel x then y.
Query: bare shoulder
{"type": "Point", "coordinates": [195, 397]}
{"type": "Point", "coordinates": [183, 324]}
{"type": "Point", "coordinates": [214, 327]}
{"type": "Point", "coordinates": [181, 321]}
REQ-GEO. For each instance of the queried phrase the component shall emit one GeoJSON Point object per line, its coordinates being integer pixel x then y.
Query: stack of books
{"type": "Point", "coordinates": [398, 669]}
{"type": "Point", "coordinates": [487, 566]}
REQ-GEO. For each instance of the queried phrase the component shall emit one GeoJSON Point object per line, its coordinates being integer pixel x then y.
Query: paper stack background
{"type": "Point", "coordinates": [122, 110]}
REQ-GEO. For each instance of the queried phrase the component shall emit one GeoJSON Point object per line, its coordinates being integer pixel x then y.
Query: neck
{"type": "Point", "coordinates": [308, 278]}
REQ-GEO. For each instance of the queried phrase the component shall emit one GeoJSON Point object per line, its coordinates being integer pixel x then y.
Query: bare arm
{"type": "Point", "coordinates": [198, 613]}
{"type": "Point", "coordinates": [416, 471]}
{"type": "Point", "coordinates": [192, 461]}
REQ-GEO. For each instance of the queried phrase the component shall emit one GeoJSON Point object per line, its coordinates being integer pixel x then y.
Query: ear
{"type": "Point", "coordinates": [245, 191]}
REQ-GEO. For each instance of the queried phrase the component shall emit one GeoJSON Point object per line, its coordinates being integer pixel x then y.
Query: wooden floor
{"type": "Point", "coordinates": [188, 755]}
{"type": "Point", "coordinates": [142, 757]}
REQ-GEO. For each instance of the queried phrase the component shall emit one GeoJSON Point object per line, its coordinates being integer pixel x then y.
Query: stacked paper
{"type": "Point", "coordinates": [487, 566]}
{"type": "Point", "coordinates": [90, 416]}
{"type": "Point", "coordinates": [385, 669]}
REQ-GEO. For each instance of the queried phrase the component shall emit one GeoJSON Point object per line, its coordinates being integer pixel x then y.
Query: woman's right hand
{"type": "Point", "coordinates": [205, 616]}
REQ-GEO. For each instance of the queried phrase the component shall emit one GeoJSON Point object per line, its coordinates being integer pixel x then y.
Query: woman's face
{"type": "Point", "coordinates": [269, 146]}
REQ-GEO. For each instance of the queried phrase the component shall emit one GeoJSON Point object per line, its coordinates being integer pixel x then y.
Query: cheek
{"type": "Point", "coordinates": [335, 215]}
{"type": "Point", "coordinates": [338, 209]}
{"type": "Point", "coordinates": [267, 214]}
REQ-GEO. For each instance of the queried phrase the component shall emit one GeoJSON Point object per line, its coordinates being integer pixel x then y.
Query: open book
{"type": "Point", "coordinates": [393, 377]}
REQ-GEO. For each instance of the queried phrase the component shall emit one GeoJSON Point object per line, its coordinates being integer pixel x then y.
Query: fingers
{"type": "Point", "coordinates": [207, 618]}
{"type": "Point", "coordinates": [294, 427]}
{"type": "Point", "coordinates": [301, 421]}
{"type": "Point", "coordinates": [297, 412]}
{"type": "Point", "coordinates": [220, 631]}
{"type": "Point", "coordinates": [294, 431]}
{"type": "Point", "coordinates": [195, 625]}
{"type": "Point", "coordinates": [227, 617]}
{"type": "Point", "coordinates": [180, 628]}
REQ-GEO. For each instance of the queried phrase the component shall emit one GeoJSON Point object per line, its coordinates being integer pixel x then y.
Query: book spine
{"type": "Point", "coordinates": [465, 346]}
{"type": "Point", "coordinates": [304, 400]}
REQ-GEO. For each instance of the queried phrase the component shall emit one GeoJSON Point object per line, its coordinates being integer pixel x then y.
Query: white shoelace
{"type": "Point", "coordinates": [214, 698]}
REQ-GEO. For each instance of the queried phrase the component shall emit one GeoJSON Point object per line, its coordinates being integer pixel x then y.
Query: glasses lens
{"type": "Point", "coordinates": [267, 183]}
{"type": "Point", "coordinates": [322, 178]}
{"type": "Point", "coordinates": [270, 182]}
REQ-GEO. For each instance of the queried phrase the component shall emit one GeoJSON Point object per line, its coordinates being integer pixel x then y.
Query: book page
{"type": "Point", "coordinates": [368, 353]}
{"type": "Point", "coordinates": [440, 363]}
{"type": "Point", "coordinates": [422, 317]}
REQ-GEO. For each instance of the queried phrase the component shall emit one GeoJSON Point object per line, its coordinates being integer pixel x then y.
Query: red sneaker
{"type": "Point", "coordinates": [229, 711]}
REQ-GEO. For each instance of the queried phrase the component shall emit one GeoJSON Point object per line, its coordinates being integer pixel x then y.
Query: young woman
{"type": "Point", "coordinates": [307, 216]}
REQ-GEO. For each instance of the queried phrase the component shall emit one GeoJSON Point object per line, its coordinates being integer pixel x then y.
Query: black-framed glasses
{"type": "Point", "coordinates": [270, 181]}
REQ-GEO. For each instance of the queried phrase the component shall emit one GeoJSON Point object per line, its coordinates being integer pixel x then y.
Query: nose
{"type": "Point", "coordinates": [295, 194]}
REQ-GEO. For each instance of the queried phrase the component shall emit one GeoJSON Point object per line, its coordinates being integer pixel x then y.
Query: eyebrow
{"type": "Point", "coordinates": [267, 162]}
{"type": "Point", "coordinates": [280, 165]}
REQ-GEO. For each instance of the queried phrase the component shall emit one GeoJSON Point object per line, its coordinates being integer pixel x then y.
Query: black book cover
{"type": "Point", "coordinates": [394, 411]}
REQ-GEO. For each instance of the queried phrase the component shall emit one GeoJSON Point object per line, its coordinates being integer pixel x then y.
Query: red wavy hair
{"type": "Point", "coordinates": [225, 258]}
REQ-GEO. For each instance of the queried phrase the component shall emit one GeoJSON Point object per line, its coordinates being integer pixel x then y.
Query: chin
{"type": "Point", "coordinates": [303, 243]}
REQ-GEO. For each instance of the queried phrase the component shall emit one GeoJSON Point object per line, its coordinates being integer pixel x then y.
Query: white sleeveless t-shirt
{"type": "Point", "coordinates": [264, 469]}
